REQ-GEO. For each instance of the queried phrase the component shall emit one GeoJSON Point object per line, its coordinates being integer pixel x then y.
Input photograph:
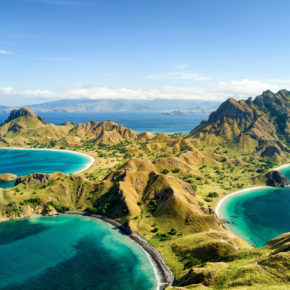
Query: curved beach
{"type": "Point", "coordinates": [219, 205]}
{"type": "Point", "coordinates": [163, 274]}
{"type": "Point", "coordinates": [236, 224]}
{"type": "Point", "coordinates": [282, 167]}
{"type": "Point", "coordinates": [90, 162]}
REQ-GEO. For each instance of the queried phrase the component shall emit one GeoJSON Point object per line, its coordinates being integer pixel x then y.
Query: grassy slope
{"type": "Point", "coordinates": [198, 249]}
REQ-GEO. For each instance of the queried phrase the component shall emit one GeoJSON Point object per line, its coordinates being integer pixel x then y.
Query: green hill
{"type": "Point", "coordinates": [260, 126]}
{"type": "Point", "coordinates": [165, 187]}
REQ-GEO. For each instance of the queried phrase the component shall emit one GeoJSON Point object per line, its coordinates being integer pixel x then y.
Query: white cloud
{"type": "Point", "coordinates": [184, 75]}
{"type": "Point", "coordinates": [5, 52]}
{"type": "Point", "coordinates": [281, 81]}
{"type": "Point", "coordinates": [243, 88]}
{"type": "Point", "coordinates": [10, 92]}
{"type": "Point", "coordinates": [211, 91]}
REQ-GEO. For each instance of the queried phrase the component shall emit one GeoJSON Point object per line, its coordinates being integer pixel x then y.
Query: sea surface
{"type": "Point", "coordinates": [71, 252]}
{"type": "Point", "coordinates": [24, 162]}
{"type": "Point", "coordinates": [138, 121]}
{"type": "Point", "coordinates": [259, 215]}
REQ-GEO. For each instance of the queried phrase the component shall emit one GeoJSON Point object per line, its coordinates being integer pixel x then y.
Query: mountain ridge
{"type": "Point", "coordinates": [251, 125]}
{"type": "Point", "coordinates": [165, 186]}
{"type": "Point", "coordinates": [118, 105]}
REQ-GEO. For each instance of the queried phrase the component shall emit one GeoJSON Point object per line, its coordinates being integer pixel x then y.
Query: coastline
{"type": "Point", "coordinates": [219, 205]}
{"type": "Point", "coordinates": [239, 192]}
{"type": "Point", "coordinates": [90, 162]}
{"type": "Point", "coordinates": [281, 167]}
{"type": "Point", "coordinates": [163, 274]}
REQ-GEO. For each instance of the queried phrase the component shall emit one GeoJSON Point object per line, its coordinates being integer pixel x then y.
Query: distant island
{"type": "Point", "coordinates": [165, 187]}
{"type": "Point", "coordinates": [117, 105]}
{"type": "Point", "coordinates": [196, 110]}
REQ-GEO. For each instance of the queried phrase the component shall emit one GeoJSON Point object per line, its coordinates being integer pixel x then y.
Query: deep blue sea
{"type": "Point", "coordinates": [70, 252]}
{"type": "Point", "coordinates": [23, 162]}
{"type": "Point", "coordinates": [259, 215]}
{"type": "Point", "coordinates": [138, 121]}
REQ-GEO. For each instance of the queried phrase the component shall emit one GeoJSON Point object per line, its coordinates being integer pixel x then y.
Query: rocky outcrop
{"type": "Point", "coordinates": [33, 179]}
{"type": "Point", "coordinates": [277, 107]}
{"type": "Point", "coordinates": [276, 179]}
{"type": "Point", "coordinates": [70, 124]}
{"type": "Point", "coordinates": [6, 177]}
{"type": "Point", "coordinates": [19, 121]}
{"type": "Point", "coordinates": [107, 132]}
{"type": "Point", "coordinates": [260, 126]}
{"type": "Point", "coordinates": [24, 112]}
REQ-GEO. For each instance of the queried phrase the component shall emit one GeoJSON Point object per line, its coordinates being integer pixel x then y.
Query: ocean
{"type": "Point", "coordinates": [138, 121]}
{"type": "Point", "coordinates": [71, 252]}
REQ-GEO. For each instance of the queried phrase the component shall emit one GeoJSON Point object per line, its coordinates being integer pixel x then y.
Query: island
{"type": "Point", "coordinates": [6, 177]}
{"type": "Point", "coordinates": [164, 188]}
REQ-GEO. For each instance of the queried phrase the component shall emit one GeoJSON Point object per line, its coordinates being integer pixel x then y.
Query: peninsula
{"type": "Point", "coordinates": [165, 187]}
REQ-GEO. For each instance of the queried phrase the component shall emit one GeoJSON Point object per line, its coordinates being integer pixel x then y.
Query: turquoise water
{"type": "Point", "coordinates": [286, 172]}
{"type": "Point", "coordinates": [23, 162]}
{"type": "Point", "coordinates": [70, 252]}
{"type": "Point", "coordinates": [259, 215]}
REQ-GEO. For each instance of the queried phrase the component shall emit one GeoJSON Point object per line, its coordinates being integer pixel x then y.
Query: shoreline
{"type": "Point", "coordinates": [90, 162]}
{"type": "Point", "coordinates": [221, 201]}
{"type": "Point", "coordinates": [163, 274]}
{"type": "Point", "coordinates": [281, 167]}
{"type": "Point", "coordinates": [239, 192]}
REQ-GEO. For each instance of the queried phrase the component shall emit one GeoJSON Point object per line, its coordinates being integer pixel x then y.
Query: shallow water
{"type": "Point", "coordinates": [23, 162]}
{"type": "Point", "coordinates": [70, 252]}
{"type": "Point", "coordinates": [259, 215]}
{"type": "Point", "coordinates": [286, 172]}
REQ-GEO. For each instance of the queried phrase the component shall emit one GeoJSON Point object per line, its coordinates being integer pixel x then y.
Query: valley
{"type": "Point", "coordinates": [165, 187]}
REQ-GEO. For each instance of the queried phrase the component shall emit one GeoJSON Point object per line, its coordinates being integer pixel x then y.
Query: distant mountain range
{"type": "Point", "coordinates": [121, 105]}
{"type": "Point", "coordinates": [196, 110]}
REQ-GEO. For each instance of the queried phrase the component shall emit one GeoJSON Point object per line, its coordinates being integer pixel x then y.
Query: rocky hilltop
{"type": "Point", "coordinates": [24, 112]}
{"type": "Point", "coordinates": [276, 179]}
{"type": "Point", "coordinates": [251, 126]}
{"type": "Point", "coordinates": [20, 120]}
{"type": "Point", "coordinates": [107, 132]}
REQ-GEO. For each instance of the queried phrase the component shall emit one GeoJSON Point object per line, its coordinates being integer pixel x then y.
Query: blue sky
{"type": "Point", "coordinates": [199, 49]}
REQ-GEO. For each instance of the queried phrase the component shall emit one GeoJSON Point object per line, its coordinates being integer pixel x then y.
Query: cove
{"type": "Point", "coordinates": [257, 215]}
{"type": "Point", "coordinates": [27, 161]}
{"type": "Point", "coordinates": [71, 252]}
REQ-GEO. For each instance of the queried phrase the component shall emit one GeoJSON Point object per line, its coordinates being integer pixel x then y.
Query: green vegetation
{"type": "Point", "coordinates": [33, 201]}
{"type": "Point", "coordinates": [165, 187]}
{"type": "Point", "coordinates": [58, 207]}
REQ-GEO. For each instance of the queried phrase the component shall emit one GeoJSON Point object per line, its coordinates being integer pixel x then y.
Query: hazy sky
{"type": "Point", "coordinates": [199, 49]}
